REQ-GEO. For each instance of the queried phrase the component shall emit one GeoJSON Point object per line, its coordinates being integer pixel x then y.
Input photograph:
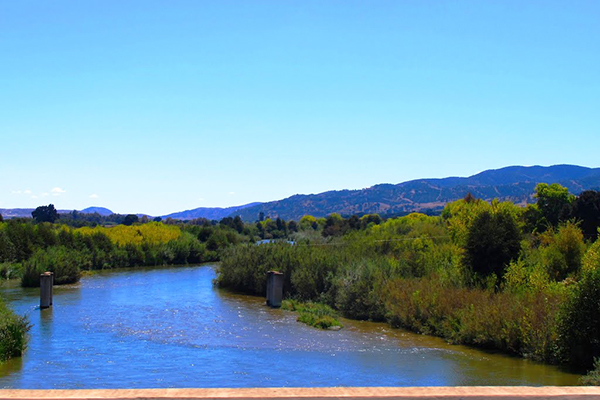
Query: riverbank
{"type": "Point", "coordinates": [448, 277]}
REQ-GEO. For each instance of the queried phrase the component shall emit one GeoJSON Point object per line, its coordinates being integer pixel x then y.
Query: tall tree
{"type": "Point", "coordinates": [130, 219]}
{"type": "Point", "coordinates": [45, 213]}
{"type": "Point", "coordinates": [586, 208]}
{"type": "Point", "coordinates": [554, 202]}
{"type": "Point", "coordinates": [493, 240]}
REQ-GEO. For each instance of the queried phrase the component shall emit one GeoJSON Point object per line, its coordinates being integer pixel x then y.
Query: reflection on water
{"type": "Point", "coordinates": [171, 328]}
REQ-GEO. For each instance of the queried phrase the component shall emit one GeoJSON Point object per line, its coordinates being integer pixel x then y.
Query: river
{"type": "Point", "coordinates": [170, 327]}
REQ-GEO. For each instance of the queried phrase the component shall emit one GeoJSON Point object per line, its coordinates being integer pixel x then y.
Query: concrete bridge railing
{"type": "Point", "coordinates": [347, 393]}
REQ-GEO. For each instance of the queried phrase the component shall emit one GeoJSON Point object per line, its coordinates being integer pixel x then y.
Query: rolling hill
{"type": "Point", "coordinates": [100, 210]}
{"type": "Point", "coordinates": [210, 213]}
{"type": "Point", "coordinates": [514, 184]}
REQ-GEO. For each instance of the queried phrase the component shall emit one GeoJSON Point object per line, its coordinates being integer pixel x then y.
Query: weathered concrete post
{"type": "Point", "coordinates": [46, 282]}
{"type": "Point", "coordinates": [274, 288]}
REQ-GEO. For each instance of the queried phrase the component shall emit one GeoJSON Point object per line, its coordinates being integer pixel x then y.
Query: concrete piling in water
{"type": "Point", "coordinates": [274, 288]}
{"type": "Point", "coordinates": [46, 283]}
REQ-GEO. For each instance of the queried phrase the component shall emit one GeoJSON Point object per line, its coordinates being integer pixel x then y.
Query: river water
{"type": "Point", "coordinates": [170, 327]}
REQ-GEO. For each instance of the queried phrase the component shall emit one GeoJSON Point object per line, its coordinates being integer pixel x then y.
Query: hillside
{"type": "Point", "coordinates": [514, 184]}
{"type": "Point", "coordinates": [100, 210]}
{"type": "Point", "coordinates": [210, 213]}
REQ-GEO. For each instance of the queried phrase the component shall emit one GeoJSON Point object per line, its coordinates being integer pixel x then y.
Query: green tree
{"type": "Point", "coordinates": [335, 225]}
{"type": "Point", "coordinates": [238, 224]}
{"type": "Point", "coordinates": [579, 323]}
{"type": "Point", "coordinates": [554, 202]}
{"type": "Point", "coordinates": [308, 222]}
{"type": "Point", "coordinates": [45, 214]}
{"type": "Point", "coordinates": [586, 208]}
{"type": "Point", "coordinates": [565, 250]}
{"type": "Point", "coordinates": [130, 219]}
{"type": "Point", "coordinates": [493, 241]}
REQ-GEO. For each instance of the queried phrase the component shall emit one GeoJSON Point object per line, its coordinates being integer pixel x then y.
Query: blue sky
{"type": "Point", "coordinates": [160, 106]}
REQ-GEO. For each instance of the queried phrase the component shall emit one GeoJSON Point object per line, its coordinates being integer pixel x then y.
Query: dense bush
{"type": "Point", "coordinates": [579, 326]}
{"type": "Point", "coordinates": [65, 263]}
{"type": "Point", "coordinates": [563, 250]}
{"type": "Point", "coordinates": [493, 241]}
{"type": "Point", "coordinates": [13, 333]}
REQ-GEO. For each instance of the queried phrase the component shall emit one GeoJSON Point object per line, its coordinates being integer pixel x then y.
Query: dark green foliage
{"type": "Point", "coordinates": [360, 289]}
{"type": "Point", "coordinates": [65, 263]}
{"type": "Point", "coordinates": [335, 225]}
{"type": "Point", "coordinates": [130, 219]}
{"type": "Point", "coordinates": [7, 249]}
{"type": "Point", "coordinates": [593, 377]}
{"type": "Point", "coordinates": [45, 214]}
{"type": "Point", "coordinates": [22, 238]}
{"type": "Point", "coordinates": [9, 270]}
{"type": "Point", "coordinates": [579, 326]}
{"type": "Point", "coordinates": [586, 208]}
{"type": "Point", "coordinates": [493, 240]}
{"type": "Point", "coordinates": [13, 333]}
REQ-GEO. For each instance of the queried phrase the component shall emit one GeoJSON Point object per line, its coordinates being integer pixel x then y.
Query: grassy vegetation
{"type": "Point", "coordinates": [13, 333]}
{"type": "Point", "coordinates": [314, 314]}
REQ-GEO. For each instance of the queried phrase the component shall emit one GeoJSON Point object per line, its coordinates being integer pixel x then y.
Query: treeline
{"type": "Point", "coordinates": [522, 280]}
{"type": "Point", "coordinates": [28, 248]}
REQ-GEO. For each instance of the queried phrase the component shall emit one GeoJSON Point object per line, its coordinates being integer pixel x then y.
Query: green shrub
{"type": "Point", "coordinates": [13, 333]}
{"type": "Point", "coordinates": [65, 263]}
{"type": "Point", "coordinates": [518, 324]}
{"type": "Point", "coordinates": [314, 314]}
{"type": "Point", "coordinates": [359, 289]}
{"type": "Point", "coordinates": [564, 251]}
{"type": "Point", "coordinates": [10, 270]}
{"type": "Point", "coordinates": [579, 324]}
{"type": "Point", "coordinates": [592, 378]}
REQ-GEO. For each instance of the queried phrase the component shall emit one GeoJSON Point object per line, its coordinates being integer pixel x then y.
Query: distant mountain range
{"type": "Point", "coordinates": [210, 213]}
{"type": "Point", "coordinates": [514, 184]}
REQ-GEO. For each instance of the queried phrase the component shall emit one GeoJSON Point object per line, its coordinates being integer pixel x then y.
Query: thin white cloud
{"type": "Point", "coordinates": [16, 192]}
{"type": "Point", "coordinates": [231, 193]}
{"type": "Point", "coordinates": [27, 191]}
{"type": "Point", "coordinates": [44, 194]}
{"type": "Point", "coordinates": [200, 198]}
{"type": "Point", "coordinates": [94, 196]}
{"type": "Point", "coordinates": [57, 191]}
{"type": "Point", "coordinates": [34, 197]}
